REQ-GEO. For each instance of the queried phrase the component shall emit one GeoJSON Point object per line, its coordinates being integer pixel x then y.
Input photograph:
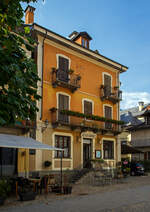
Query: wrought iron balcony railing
{"type": "Point", "coordinates": [65, 79]}
{"type": "Point", "coordinates": [77, 121]}
{"type": "Point", "coordinates": [112, 94]}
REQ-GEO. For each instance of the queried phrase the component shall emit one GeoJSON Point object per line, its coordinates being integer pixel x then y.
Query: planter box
{"type": "Point", "coordinates": [56, 189]}
{"type": "Point", "coordinates": [27, 196]}
{"type": "Point", "coordinates": [67, 189]}
{"type": "Point", "coordinates": [2, 200]}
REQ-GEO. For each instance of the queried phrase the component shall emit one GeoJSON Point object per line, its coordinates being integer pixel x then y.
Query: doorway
{"type": "Point", "coordinates": [87, 152]}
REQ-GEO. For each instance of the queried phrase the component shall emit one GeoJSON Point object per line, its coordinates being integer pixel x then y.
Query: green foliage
{"type": "Point", "coordinates": [18, 74]}
{"type": "Point", "coordinates": [97, 160]}
{"type": "Point", "coordinates": [4, 187]}
{"type": "Point", "coordinates": [92, 117]}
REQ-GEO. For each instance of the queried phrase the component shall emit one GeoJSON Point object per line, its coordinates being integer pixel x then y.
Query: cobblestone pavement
{"type": "Point", "coordinates": [130, 196]}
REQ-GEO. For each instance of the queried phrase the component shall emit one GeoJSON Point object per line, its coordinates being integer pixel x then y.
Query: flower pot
{"type": "Point", "coordinates": [27, 196]}
{"type": "Point", "coordinates": [2, 200]}
{"type": "Point", "coordinates": [67, 189]}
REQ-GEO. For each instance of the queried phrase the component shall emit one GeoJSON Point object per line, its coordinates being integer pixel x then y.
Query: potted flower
{"type": "Point", "coordinates": [47, 163]}
{"type": "Point", "coordinates": [4, 190]}
{"type": "Point", "coordinates": [26, 193]}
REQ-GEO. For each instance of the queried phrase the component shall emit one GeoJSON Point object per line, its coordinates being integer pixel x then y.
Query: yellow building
{"type": "Point", "coordinates": [79, 109]}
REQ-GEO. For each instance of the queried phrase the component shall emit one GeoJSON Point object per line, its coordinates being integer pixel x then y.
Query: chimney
{"type": "Point", "coordinates": [29, 15]}
{"type": "Point", "coordinates": [82, 38]}
{"type": "Point", "coordinates": [141, 105]}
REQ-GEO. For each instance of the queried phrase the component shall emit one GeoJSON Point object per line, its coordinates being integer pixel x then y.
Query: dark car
{"type": "Point", "coordinates": [136, 169]}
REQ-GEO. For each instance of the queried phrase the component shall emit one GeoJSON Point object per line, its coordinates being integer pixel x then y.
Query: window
{"type": "Point", "coordinates": [63, 142]}
{"type": "Point", "coordinates": [108, 149]}
{"type": "Point", "coordinates": [147, 120]}
{"type": "Point", "coordinates": [63, 104]}
{"type": "Point", "coordinates": [63, 67]}
{"type": "Point", "coordinates": [108, 114]}
{"type": "Point", "coordinates": [83, 42]}
{"type": "Point", "coordinates": [87, 107]}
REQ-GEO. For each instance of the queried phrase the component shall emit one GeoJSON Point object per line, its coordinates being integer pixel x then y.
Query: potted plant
{"type": "Point", "coordinates": [47, 163]}
{"type": "Point", "coordinates": [4, 190]}
{"type": "Point", "coordinates": [26, 193]}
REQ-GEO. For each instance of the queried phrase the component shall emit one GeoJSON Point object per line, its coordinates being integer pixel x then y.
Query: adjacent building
{"type": "Point", "coordinates": [137, 128]}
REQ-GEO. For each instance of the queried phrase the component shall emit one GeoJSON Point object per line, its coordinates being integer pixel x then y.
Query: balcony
{"type": "Point", "coordinates": [112, 94]}
{"type": "Point", "coordinates": [79, 121]}
{"type": "Point", "coordinates": [65, 79]}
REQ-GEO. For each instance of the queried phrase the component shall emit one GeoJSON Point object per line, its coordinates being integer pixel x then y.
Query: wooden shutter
{"type": "Point", "coordinates": [63, 105]}
{"type": "Point", "coordinates": [63, 64]}
{"type": "Point", "coordinates": [108, 114]}
{"type": "Point", "coordinates": [87, 108]}
{"type": "Point", "coordinates": [107, 85]}
{"type": "Point", "coordinates": [62, 72]}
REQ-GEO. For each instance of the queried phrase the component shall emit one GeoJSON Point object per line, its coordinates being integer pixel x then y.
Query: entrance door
{"type": "Point", "coordinates": [87, 150]}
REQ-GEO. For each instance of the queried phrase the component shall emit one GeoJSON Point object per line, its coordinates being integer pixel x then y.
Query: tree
{"type": "Point", "coordinates": [18, 74]}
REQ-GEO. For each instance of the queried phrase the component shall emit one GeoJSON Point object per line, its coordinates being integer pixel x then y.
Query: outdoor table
{"type": "Point", "coordinates": [36, 182]}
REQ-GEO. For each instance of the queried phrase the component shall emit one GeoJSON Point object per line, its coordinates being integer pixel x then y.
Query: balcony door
{"type": "Point", "coordinates": [63, 67]}
{"type": "Point", "coordinates": [63, 104]}
{"type": "Point", "coordinates": [107, 85]}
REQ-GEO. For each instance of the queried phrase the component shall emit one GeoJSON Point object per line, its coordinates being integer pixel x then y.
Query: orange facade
{"type": "Point", "coordinates": [80, 91]}
{"type": "Point", "coordinates": [91, 79]}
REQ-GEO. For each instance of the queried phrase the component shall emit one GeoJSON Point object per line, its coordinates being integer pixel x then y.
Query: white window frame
{"type": "Point", "coordinates": [111, 109]}
{"type": "Point", "coordinates": [61, 55]}
{"type": "Point", "coordinates": [105, 73]}
{"type": "Point", "coordinates": [88, 100]}
{"type": "Point", "coordinates": [64, 159]}
{"type": "Point", "coordinates": [109, 139]}
{"type": "Point", "coordinates": [57, 97]}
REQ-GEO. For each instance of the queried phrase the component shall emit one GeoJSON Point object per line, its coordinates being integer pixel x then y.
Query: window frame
{"type": "Point", "coordinates": [111, 152]}
{"type": "Point", "coordinates": [58, 153]}
{"type": "Point", "coordinates": [87, 100]}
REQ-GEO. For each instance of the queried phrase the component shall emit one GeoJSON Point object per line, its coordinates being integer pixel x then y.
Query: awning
{"type": "Point", "coordinates": [126, 149]}
{"type": "Point", "coordinates": [13, 141]}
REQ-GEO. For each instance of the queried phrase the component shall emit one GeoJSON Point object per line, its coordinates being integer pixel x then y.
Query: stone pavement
{"type": "Point", "coordinates": [133, 195]}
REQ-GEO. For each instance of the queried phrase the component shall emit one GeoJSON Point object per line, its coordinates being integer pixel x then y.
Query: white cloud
{"type": "Point", "coordinates": [131, 99]}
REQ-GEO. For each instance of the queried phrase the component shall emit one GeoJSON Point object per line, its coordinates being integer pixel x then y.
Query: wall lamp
{"type": "Point", "coordinates": [46, 122]}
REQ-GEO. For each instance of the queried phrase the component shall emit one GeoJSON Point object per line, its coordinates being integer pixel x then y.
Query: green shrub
{"type": "Point", "coordinates": [4, 187]}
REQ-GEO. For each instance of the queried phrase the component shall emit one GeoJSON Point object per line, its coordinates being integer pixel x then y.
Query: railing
{"type": "Point", "coordinates": [83, 124]}
{"type": "Point", "coordinates": [65, 79]}
{"type": "Point", "coordinates": [111, 93]}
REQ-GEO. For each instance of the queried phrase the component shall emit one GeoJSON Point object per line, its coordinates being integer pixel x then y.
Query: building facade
{"type": "Point", "coordinates": [79, 109]}
{"type": "Point", "coordinates": [137, 127]}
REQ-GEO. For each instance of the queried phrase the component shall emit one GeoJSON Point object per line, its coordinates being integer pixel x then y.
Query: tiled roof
{"type": "Point", "coordinates": [129, 116]}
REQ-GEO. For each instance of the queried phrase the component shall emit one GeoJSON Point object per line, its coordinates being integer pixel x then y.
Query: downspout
{"type": "Point", "coordinates": [118, 140]}
{"type": "Point", "coordinates": [42, 75]}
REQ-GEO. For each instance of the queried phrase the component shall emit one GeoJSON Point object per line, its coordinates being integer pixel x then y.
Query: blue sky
{"type": "Point", "coordinates": [120, 31]}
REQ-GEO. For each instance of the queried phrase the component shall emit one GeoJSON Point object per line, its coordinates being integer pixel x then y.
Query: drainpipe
{"type": "Point", "coordinates": [118, 104]}
{"type": "Point", "coordinates": [42, 75]}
